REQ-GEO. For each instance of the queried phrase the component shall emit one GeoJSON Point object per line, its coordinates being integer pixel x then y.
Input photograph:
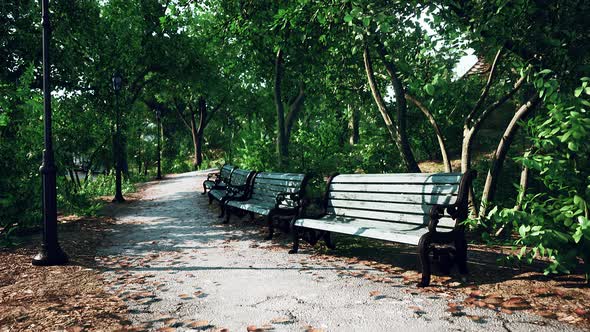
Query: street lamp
{"type": "Point", "coordinates": [117, 81]}
{"type": "Point", "coordinates": [50, 253]}
{"type": "Point", "coordinates": [159, 127]}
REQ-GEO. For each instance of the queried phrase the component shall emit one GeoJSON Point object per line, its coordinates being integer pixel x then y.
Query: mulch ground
{"type": "Point", "coordinates": [71, 297]}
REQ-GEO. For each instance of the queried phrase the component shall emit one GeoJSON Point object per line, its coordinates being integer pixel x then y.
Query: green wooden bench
{"type": "Point", "coordinates": [237, 186]}
{"type": "Point", "coordinates": [425, 210]}
{"type": "Point", "coordinates": [218, 179]}
{"type": "Point", "coordinates": [271, 195]}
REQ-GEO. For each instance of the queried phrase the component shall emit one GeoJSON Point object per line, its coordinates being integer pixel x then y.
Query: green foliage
{"type": "Point", "coordinates": [256, 150]}
{"type": "Point", "coordinates": [553, 222]}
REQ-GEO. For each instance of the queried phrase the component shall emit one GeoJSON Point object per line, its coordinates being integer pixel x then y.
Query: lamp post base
{"type": "Point", "coordinates": [118, 199]}
{"type": "Point", "coordinates": [49, 257]}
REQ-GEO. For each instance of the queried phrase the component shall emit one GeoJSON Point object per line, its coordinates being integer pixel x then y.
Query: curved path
{"type": "Point", "coordinates": [179, 268]}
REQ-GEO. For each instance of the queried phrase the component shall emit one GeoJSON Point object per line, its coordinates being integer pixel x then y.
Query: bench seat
{"type": "Point", "coordinates": [388, 231]}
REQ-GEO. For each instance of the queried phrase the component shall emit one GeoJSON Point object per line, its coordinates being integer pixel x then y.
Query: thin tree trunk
{"type": "Point", "coordinates": [282, 148]}
{"type": "Point", "coordinates": [200, 131]}
{"type": "Point", "coordinates": [402, 108]}
{"type": "Point", "coordinates": [489, 189]}
{"type": "Point", "coordinates": [387, 118]}
{"type": "Point", "coordinates": [195, 138]}
{"type": "Point", "coordinates": [437, 131]}
{"type": "Point", "coordinates": [353, 125]}
{"type": "Point", "coordinates": [294, 110]}
{"type": "Point", "coordinates": [77, 179]}
{"type": "Point", "coordinates": [522, 187]}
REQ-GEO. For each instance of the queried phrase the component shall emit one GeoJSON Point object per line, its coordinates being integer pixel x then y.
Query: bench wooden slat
{"type": "Point", "coordinates": [386, 197]}
{"type": "Point", "coordinates": [402, 233]}
{"type": "Point", "coordinates": [381, 206]}
{"type": "Point", "coordinates": [239, 177]}
{"type": "Point", "coordinates": [218, 194]}
{"type": "Point", "coordinates": [273, 190]}
{"type": "Point", "coordinates": [226, 171]}
{"type": "Point", "coordinates": [281, 176]}
{"type": "Point", "coordinates": [438, 189]}
{"type": "Point", "coordinates": [423, 178]}
{"type": "Point", "coordinates": [387, 216]}
{"type": "Point", "coordinates": [279, 182]}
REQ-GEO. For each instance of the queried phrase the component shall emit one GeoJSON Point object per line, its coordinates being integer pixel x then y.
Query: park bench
{"type": "Point", "coordinates": [218, 179]}
{"type": "Point", "coordinates": [271, 195]}
{"type": "Point", "coordinates": [425, 210]}
{"type": "Point", "coordinates": [237, 186]}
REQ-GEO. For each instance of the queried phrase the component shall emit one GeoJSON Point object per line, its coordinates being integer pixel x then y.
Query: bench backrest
{"type": "Point", "coordinates": [402, 198]}
{"type": "Point", "coordinates": [267, 185]}
{"type": "Point", "coordinates": [240, 177]}
{"type": "Point", "coordinates": [226, 172]}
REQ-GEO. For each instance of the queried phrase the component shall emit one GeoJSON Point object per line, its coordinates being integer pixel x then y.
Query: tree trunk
{"type": "Point", "coordinates": [200, 131]}
{"type": "Point", "coordinates": [489, 189]}
{"type": "Point", "coordinates": [353, 125]}
{"type": "Point", "coordinates": [294, 110]}
{"type": "Point", "coordinates": [282, 148]}
{"type": "Point", "coordinates": [523, 185]}
{"type": "Point", "coordinates": [195, 137]}
{"type": "Point", "coordinates": [408, 159]}
{"type": "Point", "coordinates": [437, 131]}
{"type": "Point", "coordinates": [77, 179]}
{"type": "Point", "coordinates": [402, 108]}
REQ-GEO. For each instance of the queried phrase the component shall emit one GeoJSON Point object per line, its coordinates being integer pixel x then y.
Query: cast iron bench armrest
{"type": "Point", "coordinates": [436, 212]}
{"type": "Point", "coordinates": [213, 174]}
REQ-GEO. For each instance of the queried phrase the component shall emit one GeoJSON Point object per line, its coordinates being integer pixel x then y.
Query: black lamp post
{"type": "Point", "coordinates": [159, 127]}
{"type": "Point", "coordinates": [50, 253]}
{"type": "Point", "coordinates": [117, 81]}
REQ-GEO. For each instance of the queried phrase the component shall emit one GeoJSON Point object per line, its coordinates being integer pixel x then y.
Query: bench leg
{"type": "Point", "coordinates": [227, 211]}
{"type": "Point", "coordinates": [222, 210]}
{"type": "Point", "coordinates": [461, 256]}
{"type": "Point", "coordinates": [210, 199]}
{"type": "Point", "coordinates": [329, 240]}
{"type": "Point", "coordinates": [424, 257]}
{"type": "Point", "coordinates": [204, 189]}
{"type": "Point", "coordinates": [251, 214]}
{"type": "Point", "coordinates": [271, 229]}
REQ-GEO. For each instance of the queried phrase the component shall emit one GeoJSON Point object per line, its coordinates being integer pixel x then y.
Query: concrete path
{"type": "Point", "coordinates": [178, 268]}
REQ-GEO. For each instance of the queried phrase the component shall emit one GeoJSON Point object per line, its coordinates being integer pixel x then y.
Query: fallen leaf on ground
{"type": "Point", "coordinates": [197, 324]}
{"type": "Point", "coordinates": [516, 303]}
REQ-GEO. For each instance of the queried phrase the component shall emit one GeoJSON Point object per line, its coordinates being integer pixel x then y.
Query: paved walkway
{"type": "Point", "coordinates": [179, 268]}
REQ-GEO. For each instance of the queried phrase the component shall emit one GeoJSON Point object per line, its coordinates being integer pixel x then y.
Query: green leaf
{"type": "Point", "coordinates": [429, 89]}
{"type": "Point", "coordinates": [572, 146]}
{"type": "Point", "coordinates": [348, 18]}
{"type": "Point", "coordinates": [366, 21]}
{"type": "Point", "coordinates": [578, 92]}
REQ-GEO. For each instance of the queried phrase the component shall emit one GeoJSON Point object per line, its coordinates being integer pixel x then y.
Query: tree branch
{"type": "Point", "coordinates": [437, 131]}
{"type": "Point", "coordinates": [486, 89]}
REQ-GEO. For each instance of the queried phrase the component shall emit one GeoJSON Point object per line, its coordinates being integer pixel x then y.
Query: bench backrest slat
{"type": "Point", "coordinates": [240, 177]}
{"type": "Point", "coordinates": [267, 185]}
{"type": "Point", "coordinates": [226, 172]}
{"type": "Point", "coordinates": [401, 198]}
